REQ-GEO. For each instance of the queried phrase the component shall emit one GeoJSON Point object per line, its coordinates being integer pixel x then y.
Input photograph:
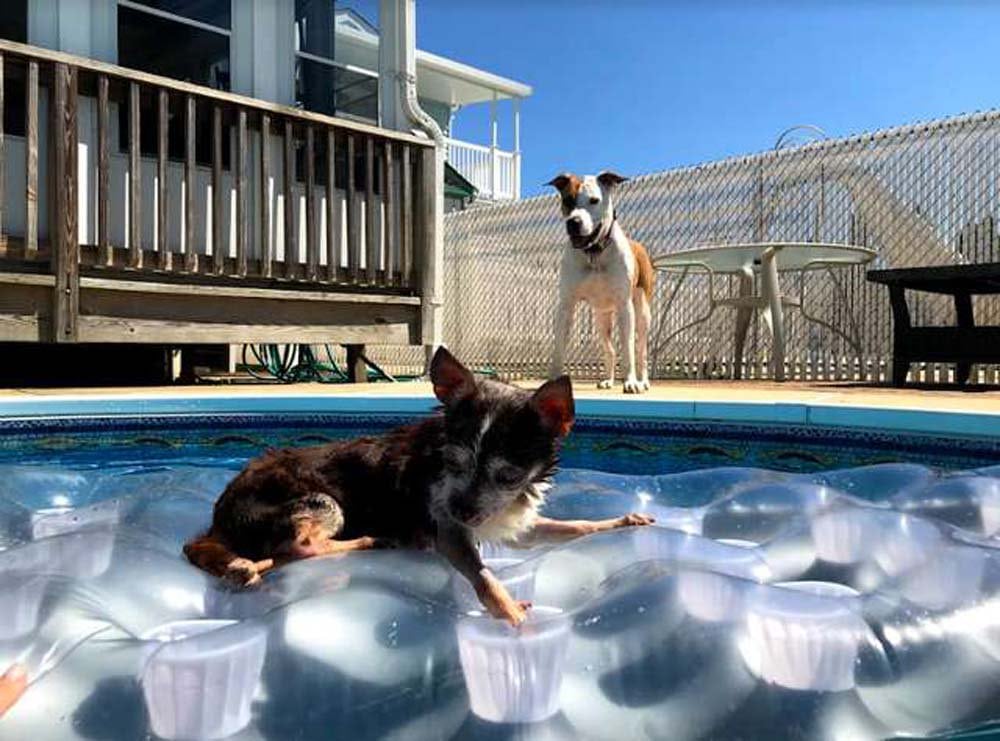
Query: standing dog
{"type": "Point", "coordinates": [479, 471]}
{"type": "Point", "coordinates": [607, 270]}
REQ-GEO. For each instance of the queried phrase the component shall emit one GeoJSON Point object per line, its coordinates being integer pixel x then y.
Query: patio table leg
{"type": "Point", "coordinates": [774, 313]}
{"type": "Point", "coordinates": [743, 316]}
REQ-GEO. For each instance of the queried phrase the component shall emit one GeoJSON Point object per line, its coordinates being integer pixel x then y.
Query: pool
{"type": "Point", "coordinates": [817, 573]}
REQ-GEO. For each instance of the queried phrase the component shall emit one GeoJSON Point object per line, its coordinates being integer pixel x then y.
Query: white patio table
{"type": "Point", "coordinates": [767, 259]}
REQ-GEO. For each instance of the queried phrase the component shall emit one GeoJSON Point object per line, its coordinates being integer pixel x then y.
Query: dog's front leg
{"type": "Point", "coordinates": [626, 335]}
{"type": "Point", "coordinates": [212, 555]}
{"type": "Point", "coordinates": [563, 327]}
{"type": "Point", "coordinates": [547, 530]}
{"type": "Point", "coordinates": [605, 328]}
{"type": "Point", "coordinates": [456, 544]}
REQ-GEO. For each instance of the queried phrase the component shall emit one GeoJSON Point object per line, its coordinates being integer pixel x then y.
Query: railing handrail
{"type": "Point", "coordinates": [484, 148]}
{"type": "Point", "coordinates": [190, 88]}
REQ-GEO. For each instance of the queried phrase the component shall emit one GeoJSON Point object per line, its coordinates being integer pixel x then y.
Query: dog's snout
{"type": "Point", "coordinates": [574, 226]}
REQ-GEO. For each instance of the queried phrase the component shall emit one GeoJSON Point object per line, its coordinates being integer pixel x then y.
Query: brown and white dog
{"type": "Point", "coordinates": [609, 271]}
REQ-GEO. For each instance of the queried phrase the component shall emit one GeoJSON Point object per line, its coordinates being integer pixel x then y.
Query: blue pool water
{"type": "Point", "coordinates": [616, 445]}
{"type": "Point", "coordinates": [802, 583]}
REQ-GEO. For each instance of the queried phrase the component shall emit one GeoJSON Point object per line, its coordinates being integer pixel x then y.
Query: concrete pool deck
{"type": "Point", "coordinates": [950, 398]}
{"type": "Point", "coordinates": [945, 410]}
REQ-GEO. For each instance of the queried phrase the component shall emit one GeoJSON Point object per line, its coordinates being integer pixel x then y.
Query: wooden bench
{"type": "Point", "coordinates": [963, 344]}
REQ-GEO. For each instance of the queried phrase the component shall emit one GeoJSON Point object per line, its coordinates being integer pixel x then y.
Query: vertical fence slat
{"type": "Point", "coordinates": [406, 218]}
{"type": "Point", "coordinates": [3, 163]}
{"type": "Point", "coordinates": [353, 232]}
{"type": "Point", "coordinates": [332, 210]}
{"type": "Point", "coordinates": [266, 243]}
{"type": "Point", "coordinates": [190, 129]}
{"type": "Point", "coordinates": [162, 124]}
{"type": "Point", "coordinates": [218, 252]}
{"type": "Point", "coordinates": [241, 192]}
{"type": "Point", "coordinates": [105, 255]}
{"type": "Point", "coordinates": [63, 233]}
{"type": "Point", "coordinates": [312, 248]}
{"type": "Point", "coordinates": [371, 234]}
{"type": "Point", "coordinates": [134, 179]}
{"type": "Point", "coordinates": [291, 233]}
{"type": "Point", "coordinates": [391, 219]}
{"type": "Point", "coordinates": [31, 164]}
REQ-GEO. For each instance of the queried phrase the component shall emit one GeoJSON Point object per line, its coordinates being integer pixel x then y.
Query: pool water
{"type": "Point", "coordinates": [800, 583]}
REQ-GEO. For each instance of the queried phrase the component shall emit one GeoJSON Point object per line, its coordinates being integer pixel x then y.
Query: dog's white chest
{"type": "Point", "coordinates": [603, 283]}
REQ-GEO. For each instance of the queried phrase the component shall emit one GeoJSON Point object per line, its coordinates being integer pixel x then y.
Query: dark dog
{"type": "Point", "coordinates": [479, 471]}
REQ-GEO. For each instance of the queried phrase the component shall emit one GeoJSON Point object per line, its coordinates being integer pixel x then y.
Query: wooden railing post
{"type": "Point", "coordinates": [31, 163]}
{"type": "Point", "coordinates": [134, 180]}
{"type": "Point", "coordinates": [105, 252]}
{"type": "Point", "coordinates": [371, 233]}
{"type": "Point", "coordinates": [429, 241]}
{"type": "Point", "coordinates": [63, 232]}
{"type": "Point", "coordinates": [190, 125]}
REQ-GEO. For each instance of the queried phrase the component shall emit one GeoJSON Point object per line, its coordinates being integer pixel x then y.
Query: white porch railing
{"type": "Point", "coordinates": [496, 174]}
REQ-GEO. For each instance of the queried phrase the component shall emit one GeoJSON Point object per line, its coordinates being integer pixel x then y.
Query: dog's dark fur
{"type": "Point", "coordinates": [478, 471]}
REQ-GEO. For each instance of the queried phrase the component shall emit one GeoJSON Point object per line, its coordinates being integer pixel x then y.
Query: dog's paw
{"type": "Point", "coordinates": [632, 386]}
{"type": "Point", "coordinates": [645, 384]}
{"type": "Point", "coordinates": [242, 572]}
{"type": "Point", "coordinates": [385, 544]}
{"type": "Point", "coordinates": [514, 612]}
{"type": "Point", "coordinates": [498, 602]}
{"type": "Point", "coordinates": [606, 383]}
{"type": "Point", "coordinates": [634, 519]}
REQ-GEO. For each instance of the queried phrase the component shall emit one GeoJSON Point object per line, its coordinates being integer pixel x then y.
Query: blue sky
{"type": "Point", "coordinates": [644, 85]}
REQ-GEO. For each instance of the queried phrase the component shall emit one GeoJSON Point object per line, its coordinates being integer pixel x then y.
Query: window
{"type": "Point", "coordinates": [185, 40]}
{"type": "Point", "coordinates": [171, 38]}
{"type": "Point", "coordinates": [14, 21]}
{"type": "Point", "coordinates": [321, 83]}
{"type": "Point", "coordinates": [14, 26]}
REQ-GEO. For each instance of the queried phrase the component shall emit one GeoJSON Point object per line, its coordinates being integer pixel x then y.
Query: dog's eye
{"type": "Point", "coordinates": [594, 200]}
{"type": "Point", "coordinates": [508, 475]}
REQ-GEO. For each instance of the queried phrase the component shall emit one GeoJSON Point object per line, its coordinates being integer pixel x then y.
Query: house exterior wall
{"type": "Point", "coordinates": [440, 112]}
{"type": "Point", "coordinates": [262, 49]}
{"type": "Point", "coordinates": [88, 28]}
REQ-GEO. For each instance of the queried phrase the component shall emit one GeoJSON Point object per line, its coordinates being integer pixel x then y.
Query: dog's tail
{"type": "Point", "coordinates": [645, 275]}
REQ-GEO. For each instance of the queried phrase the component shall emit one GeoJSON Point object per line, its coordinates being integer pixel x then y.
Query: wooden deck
{"type": "Point", "coordinates": [172, 213]}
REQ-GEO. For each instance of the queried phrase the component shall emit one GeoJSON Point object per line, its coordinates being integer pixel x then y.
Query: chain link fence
{"type": "Point", "coordinates": [925, 194]}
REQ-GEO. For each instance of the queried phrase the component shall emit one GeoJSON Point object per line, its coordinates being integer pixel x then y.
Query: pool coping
{"type": "Point", "coordinates": [813, 412]}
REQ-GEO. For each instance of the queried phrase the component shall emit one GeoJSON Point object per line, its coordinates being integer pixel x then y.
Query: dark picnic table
{"type": "Point", "coordinates": [963, 344]}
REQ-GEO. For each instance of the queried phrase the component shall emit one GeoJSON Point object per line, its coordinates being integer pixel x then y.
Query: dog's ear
{"type": "Point", "coordinates": [609, 179]}
{"type": "Point", "coordinates": [554, 403]}
{"type": "Point", "coordinates": [452, 381]}
{"type": "Point", "coordinates": [560, 181]}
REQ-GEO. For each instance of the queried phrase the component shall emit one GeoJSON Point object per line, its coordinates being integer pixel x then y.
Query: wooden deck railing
{"type": "Point", "coordinates": [148, 178]}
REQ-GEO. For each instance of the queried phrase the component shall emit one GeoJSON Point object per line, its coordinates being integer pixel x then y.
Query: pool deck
{"type": "Point", "coordinates": [947, 410]}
